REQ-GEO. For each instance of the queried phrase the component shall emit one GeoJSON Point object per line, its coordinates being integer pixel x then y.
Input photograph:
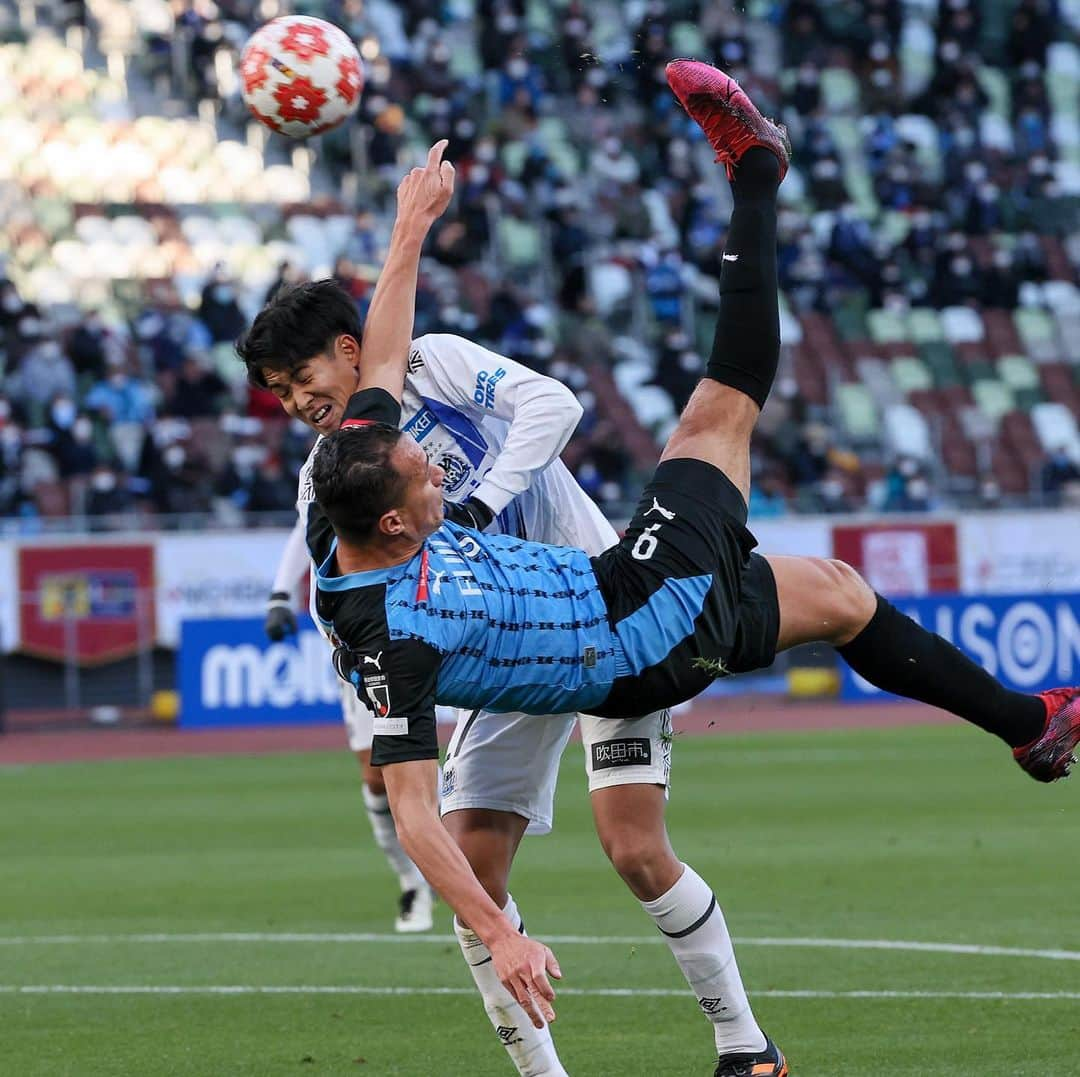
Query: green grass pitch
{"type": "Point", "coordinates": [926, 835]}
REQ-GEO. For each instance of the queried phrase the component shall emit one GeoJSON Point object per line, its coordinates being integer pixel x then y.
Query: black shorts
{"type": "Point", "coordinates": [686, 597]}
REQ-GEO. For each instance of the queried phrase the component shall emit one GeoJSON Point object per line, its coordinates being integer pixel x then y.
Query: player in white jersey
{"type": "Point", "coordinates": [498, 428]}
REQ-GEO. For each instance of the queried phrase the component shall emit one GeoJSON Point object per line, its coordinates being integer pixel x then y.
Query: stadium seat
{"type": "Point", "coordinates": [924, 325]}
{"type": "Point", "coordinates": [858, 414]}
{"type": "Point", "coordinates": [907, 432]}
{"type": "Point", "coordinates": [994, 398]}
{"type": "Point", "coordinates": [961, 325]}
{"type": "Point", "coordinates": [886, 326]}
{"type": "Point", "coordinates": [1055, 426]}
{"type": "Point", "coordinates": [911, 374]}
{"type": "Point", "coordinates": [1037, 333]}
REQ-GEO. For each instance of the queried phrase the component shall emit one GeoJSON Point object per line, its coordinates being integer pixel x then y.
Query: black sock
{"type": "Point", "coordinates": [746, 347]}
{"type": "Point", "coordinates": [895, 654]}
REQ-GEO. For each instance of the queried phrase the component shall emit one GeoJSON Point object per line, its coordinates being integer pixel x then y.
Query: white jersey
{"type": "Point", "coordinates": [496, 428]}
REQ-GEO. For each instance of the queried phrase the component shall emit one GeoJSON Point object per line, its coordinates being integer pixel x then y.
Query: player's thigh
{"type": "Point", "coordinates": [627, 751]}
{"type": "Point", "coordinates": [715, 426]}
{"type": "Point", "coordinates": [820, 600]}
{"type": "Point", "coordinates": [506, 763]}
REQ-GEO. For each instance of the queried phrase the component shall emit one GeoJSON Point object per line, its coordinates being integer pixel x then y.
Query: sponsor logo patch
{"type": "Point", "coordinates": [486, 381]}
{"type": "Point", "coordinates": [628, 752]}
{"type": "Point", "coordinates": [589, 658]}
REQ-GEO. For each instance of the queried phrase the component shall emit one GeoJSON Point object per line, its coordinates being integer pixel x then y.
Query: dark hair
{"type": "Point", "coordinates": [301, 321]}
{"type": "Point", "coordinates": [354, 480]}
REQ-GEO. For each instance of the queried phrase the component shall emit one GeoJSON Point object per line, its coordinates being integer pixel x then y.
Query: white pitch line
{"type": "Point", "coordinates": [568, 940]}
{"type": "Point", "coordinates": [604, 992]}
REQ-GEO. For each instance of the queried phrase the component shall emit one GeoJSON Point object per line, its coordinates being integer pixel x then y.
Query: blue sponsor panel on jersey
{"type": "Point", "coordinates": [230, 674]}
{"type": "Point", "coordinates": [1029, 642]}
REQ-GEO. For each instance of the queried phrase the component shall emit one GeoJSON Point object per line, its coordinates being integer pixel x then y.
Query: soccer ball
{"type": "Point", "coordinates": [300, 76]}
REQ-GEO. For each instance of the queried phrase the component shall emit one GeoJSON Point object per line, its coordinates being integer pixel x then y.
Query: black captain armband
{"type": "Point", "coordinates": [471, 512]}
{"type": "Point", "coordinates": [373, 406]}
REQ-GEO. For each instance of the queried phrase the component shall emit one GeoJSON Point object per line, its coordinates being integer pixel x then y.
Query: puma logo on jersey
{"type": "Point", "coordinates": [731, 257]}
{"type": "Point", "coordinates": [436, 580]}
{"type": "Point", "coordinates": [657, 507]}
{"type": "Point", "coordinates": [375, 660]}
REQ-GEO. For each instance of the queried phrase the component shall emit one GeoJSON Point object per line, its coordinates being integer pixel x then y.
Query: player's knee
{"type": "Point", "coordinates": [643, 862]}
{"type": "Point", "coordinates": [852, 600]}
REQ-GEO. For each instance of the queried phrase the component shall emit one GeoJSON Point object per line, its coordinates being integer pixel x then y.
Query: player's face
{"type": "Point", "coordinates": [317, 391]}
{"type": "Point", "coordinates": [421, 509]}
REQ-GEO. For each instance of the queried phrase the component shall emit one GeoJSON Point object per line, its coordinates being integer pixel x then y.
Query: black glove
{"type": "Point", "coordinates": [468, 513]}
{"type": "Point", "coordinates": [280, 619]}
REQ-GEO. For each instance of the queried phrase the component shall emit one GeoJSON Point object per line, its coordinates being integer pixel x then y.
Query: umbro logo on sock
{"type": "Point", "coordinates": [709, 1006]}
{"type": "Point", "coordinates": [507, 1035]}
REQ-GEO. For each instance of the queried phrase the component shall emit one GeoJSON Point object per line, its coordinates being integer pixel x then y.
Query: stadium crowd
{"type": "Point", "coordinates": [929, 240]}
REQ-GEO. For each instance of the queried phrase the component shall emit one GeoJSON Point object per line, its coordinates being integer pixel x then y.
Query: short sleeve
{"type": "Point", "coordinates": [372, 406]}
{"type": "Point", "coordinates": [395, 680]}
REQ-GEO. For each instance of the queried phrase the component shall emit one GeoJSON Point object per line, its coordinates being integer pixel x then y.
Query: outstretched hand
{"type": "Point", "coordinates": [523, 965]}
{"type": "Point", "coordinates": [424, 194]}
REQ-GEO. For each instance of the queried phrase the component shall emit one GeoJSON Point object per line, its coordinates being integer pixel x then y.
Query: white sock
{"type": "Point", "coordinates": [382, 825]}
{"type": "Point", "coordinates": [693, 926]}
{"type": "Point", "coordinates": [531, 1049]}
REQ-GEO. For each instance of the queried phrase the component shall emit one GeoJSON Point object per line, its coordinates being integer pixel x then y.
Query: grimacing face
{"type": "Point", "coordinates": [316, 391]}
{"type": "Point", "coordinates": [421, 509]}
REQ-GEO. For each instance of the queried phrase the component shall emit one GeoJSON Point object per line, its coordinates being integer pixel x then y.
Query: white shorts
{"type": "Point", "coordinates": [510, 762]}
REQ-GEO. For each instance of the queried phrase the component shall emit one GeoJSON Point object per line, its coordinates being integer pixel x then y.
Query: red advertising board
{"type": "Point", "coordinates": [901, 558]}
{"type": "Point", "coordinates": [95, 603]}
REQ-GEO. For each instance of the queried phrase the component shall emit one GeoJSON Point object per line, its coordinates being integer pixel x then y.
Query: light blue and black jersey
{"type": "Point", "coordinates": [502, 624]}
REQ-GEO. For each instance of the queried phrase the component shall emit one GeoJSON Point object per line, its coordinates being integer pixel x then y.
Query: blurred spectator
{"type": "Point", "coordinates": [219, 309]}
{"type": "Point", "coordinates": [1059, 472]}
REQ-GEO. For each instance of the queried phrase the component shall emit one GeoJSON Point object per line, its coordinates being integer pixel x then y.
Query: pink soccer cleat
{"type": "Point", "coordinates": [1050, 756]}
{"type": "Point", "coordinates": [718, 105]}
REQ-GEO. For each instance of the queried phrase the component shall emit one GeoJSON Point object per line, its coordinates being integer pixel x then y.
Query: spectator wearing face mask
{"type": "Point", "coordinates": [107, 494]}
{"type": "Point", "coordinates": [121, 398]}
{"type": "Point", "coordinates": [71, 439]}
{"type": "Point", "coordinates": [43, 374]}
{"type": "Point", "coordinates": [219, 310]}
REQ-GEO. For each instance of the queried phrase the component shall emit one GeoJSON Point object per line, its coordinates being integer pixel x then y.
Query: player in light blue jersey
{"type": "Point", "coordinates": [425, 610]}
{"type": "Point", "coordinates": [496, 429]}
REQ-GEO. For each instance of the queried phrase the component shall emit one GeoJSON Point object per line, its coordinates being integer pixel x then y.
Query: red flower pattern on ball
{"type": "Point", "coordinates": [253, 69]}
{"type": "Point", "coordinates": [299, 100]}
{"type": "Point", "coordinates": [305, 41]}
{"type": "Point", "coordinates": [349, 83]}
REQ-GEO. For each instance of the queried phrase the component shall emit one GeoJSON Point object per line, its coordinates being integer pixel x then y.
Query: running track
{"type": "Point", "coordinates": [747, 714]}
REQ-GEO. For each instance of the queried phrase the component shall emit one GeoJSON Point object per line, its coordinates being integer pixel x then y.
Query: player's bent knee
{"type": "Point", "coordinates": [646, 865]}
{"type": "Point", "coordinates": [854, 598]}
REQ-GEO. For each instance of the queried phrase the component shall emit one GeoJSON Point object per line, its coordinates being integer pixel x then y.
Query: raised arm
{"type": "Point", "coordinates": [422, 197]}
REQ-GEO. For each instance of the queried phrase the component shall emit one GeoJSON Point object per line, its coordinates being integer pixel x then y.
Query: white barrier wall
{"type": "Point", "coordinates": [229, 573]}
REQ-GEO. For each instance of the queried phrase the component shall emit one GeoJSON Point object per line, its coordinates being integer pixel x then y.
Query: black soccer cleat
{"type": "Point", "coordinates": [767, 1063]}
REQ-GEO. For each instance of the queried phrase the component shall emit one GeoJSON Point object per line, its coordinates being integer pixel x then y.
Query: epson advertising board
{"type": "Point", "coordinates": [232, 675]}
{"type": "Point", "coordinates": [1029, 642]}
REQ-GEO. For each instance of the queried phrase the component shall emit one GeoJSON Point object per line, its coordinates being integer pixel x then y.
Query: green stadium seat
{"type": "Point", "coordinates": [924, 325]}
{"type": "Point", "coordinates": [1018, 372]}
{"type": "Point", "coordinates": [858, 414]}
{"type": "Point", "coordinates": [1036, 329]}
{"type": "Point", "coordinates": [938, 356]}
{"type": "Point", "coordinates": [886, 327]}
{"type": "Point", "coordinates": [687, 40]}
{"type": "Point", "coordinates": [911, 374]}
{"type": "Point", "coordinates": [849, 317]}
{"type": "Point", "coordinates": [994, 398]}
{"type": "Point", "coordinates": [839, 90]}
{"type": "Point", "coordinates": [980, 370]}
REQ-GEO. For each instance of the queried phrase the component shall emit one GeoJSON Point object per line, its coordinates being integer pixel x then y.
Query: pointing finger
{"type": "Point", "coordinates": [435, 153]}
